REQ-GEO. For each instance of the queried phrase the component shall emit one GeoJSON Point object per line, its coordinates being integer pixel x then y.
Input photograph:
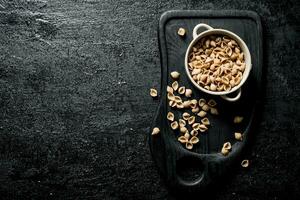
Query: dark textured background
{"type": "Point", "coordinates": [75, 110]}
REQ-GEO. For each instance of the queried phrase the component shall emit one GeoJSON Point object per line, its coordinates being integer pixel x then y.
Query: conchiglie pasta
{"type": "Point", "coordinates": [217, 63]}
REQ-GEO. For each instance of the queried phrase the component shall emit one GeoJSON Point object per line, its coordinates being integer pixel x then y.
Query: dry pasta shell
{"type": "Point", "coordinates": [177, 99]}
{"type": "Point", "coordinates": [188, 92]}
{"type": "Point", "coordinates": [181, 32]}
{"type": "Point", "coordinates": [213, 87]}
{"type": "Point", "coordinates": [245, 163]}
{"type": "Point", "coordinates": [196, 71]}
{"type": "Point", "coordinates": [191, 120]}
{"type": "Point", "coordinates": [172, 104]}
{"type": "Point", "coordinates": [233, 42]}
{"type": "Point", "coordinates": [213, 43]}
{"type": "Point", "coordinates": [225, 152]}
{"type": "Point", "coordinates": [205, 121]}
{"type": "Point", "coordinates": [175, 75]}
{"type": "Point", "coordinates": [187, 135]}
{"type": "Point", "coordinates": [153, 92]}
{"type": "Point", "coordinates": [194, 132]}
{"type": "Point", "coordinates": [183, 129]}
{"type": "Point", "coordinates": [182, 139]}
{"type": "Point", "coordinates": [214, 111]}
{"type": "Point", "coordinates": [202, 113]}
{"type": "Point", "coordinates": [202, 128]}
{"type": "Point", "coordinates": [175, 85]}
{"type": "Point", "coordinates": [179, 105]}
{"type": "Point", "coordinates": [181, 123]}
{"type": "Point", "coordinates": [195, 110]}
{"type": "Point", "coordinates": [193, 103]}
{"type": "Point", "coordinates": [170, 90]}
{"type": "Point", "coordinates": [202, 102]}
{"type": "Point", "coordinates": [194, 140]}
{"type": "Point", "coordinates": [189, 145]}
{"type": "Point", "coordinates": [227, 146]}
{"type": "Point", "coordinates": [186, 116]}
{"type": "Point", "coordinates": [170, 116]}
{"type": "Point", "coordinates": [181, 90]}
{"type": "Point", "coordinates": [186, 104]}
{"type": "Point", "coordinates": [212, 103]}
{"type": "Point", "coordinates": [229, 51]}
{"type": "Point", "coordinates": [241, 56]}
{"type": "Point", "coordinates": [238, 119]}
{"type": "Point", "coordinates": [171, 96]}
{"type": "Point", "coordinates": [174, 125]}
{"type": "Point", "coordinates": [205, 107]}
{"type": "Point", "coordinates": [238, 136]}
{"type": "Point", "coordinates": [196, 126]}
{"type": "Point", "coordinates": [155, 131]}
{"type": "Point", "coordinates": [234, 56]}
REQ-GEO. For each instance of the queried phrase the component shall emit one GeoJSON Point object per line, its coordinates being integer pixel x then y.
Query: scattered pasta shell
{"type": "Point", "coordinates": [181, 32]}
{"type": "Point", "coordinates": [193, 103]}
{"type": "Point", "coordinates": [227, 146]}
{"type": "Point", "coordinates": [182, 122]}
{"type": "Point", "coordinates": [205, 121]}
{"type": "Point", "coordinates": [170, 116]}
{"type": "Point", "coordinates": [238, 136]}
{"type": "Point", "coordinates": [238, 119]}
{"type": "Point", "coordinates": [205, 107]}
{"type": "Point", "coordinates": [181, 90]}
{"type": "Point", "coordinates": [175, 75]}
{"type": "Point", "coordinates": [194, 132]}
{"type": "Point", "coordinates": [202, 128]}
{"type": "Point", "coordinates": [212, 103]}
{"type": "Point", "coordinates": [202, 102]}
{"type": "Point", "coordinates": [191, 120]}
{"type": "Point", "coordinates": [180, 105]}
{"type": "Point", "coordinates": [189, 145]}
{"type": "Point", "coordinates": [195, 110]}
{"type": "Point", "coordinates": [186, 115]}
{"type": "Point", "coordinates": [153, 92]}
{"type": "Point", "coordinates": [202, 113]}
{"type": "Point", "coordinates": [182, 139]}
{"type": "Point", "coordinates": [170, 90]}
{"type": "Point", "coordinates": [155, 131]}
{"type": "Point", "coordinates": [177, 99]}
{"type": "Point", "coordinates": [214, 111]}
{"type": "Point", "coordinates": [172, 104]}
{"type": "Point", "coordinates": [183, 129]}
{"type": "Point", "coordinates": [225, 152]}
{"type": "Point", "coordinates": [187, 135]}
{"type": "Point", "coordinates": [175, 85]}
{"type": "Point", "coordinates": [186, 104]}
{"type": "Point", "coordinates": [171, 96]}
{"type": "Point", "coordinates": [245, 163]}
{"type": "Point", "coordinates": [194, 140]}
{"type": "Point", "coordinates": [188, 92]}
{"type": "Point", "coordinates": [196, 126]}
{"type": "Point", "coordinates": [174, 125]}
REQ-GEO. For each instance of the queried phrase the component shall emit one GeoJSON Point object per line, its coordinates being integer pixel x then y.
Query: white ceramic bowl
{"type": "Point", "coordinates": [244, 48]}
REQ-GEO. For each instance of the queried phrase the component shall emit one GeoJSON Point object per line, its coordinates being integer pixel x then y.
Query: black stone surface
{"type": "Point", "coordinates": [75, 110]}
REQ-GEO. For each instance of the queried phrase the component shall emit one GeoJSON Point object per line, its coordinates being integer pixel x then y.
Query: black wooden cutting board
{"type": "Point", "coordinates": [197, 168]}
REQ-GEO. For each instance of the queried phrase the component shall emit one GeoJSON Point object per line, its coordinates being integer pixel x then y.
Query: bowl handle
{"type": "Point", "coordinates": [237, 97]}
{"type": "Point", "coordinates": [200, 26]}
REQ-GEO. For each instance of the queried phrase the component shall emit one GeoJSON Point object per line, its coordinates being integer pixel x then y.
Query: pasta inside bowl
{"type": "Point", "coordinates": [218, 62]}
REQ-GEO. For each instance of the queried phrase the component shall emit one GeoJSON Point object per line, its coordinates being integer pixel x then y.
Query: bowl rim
{"type": "Point", "coordinates": [242, 45]}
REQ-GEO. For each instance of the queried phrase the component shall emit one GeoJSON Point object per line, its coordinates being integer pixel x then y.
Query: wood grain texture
{"type": "Point", "coordinates": [75, 110]}
{"type": "Point", "coordinates": [173, 160]}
